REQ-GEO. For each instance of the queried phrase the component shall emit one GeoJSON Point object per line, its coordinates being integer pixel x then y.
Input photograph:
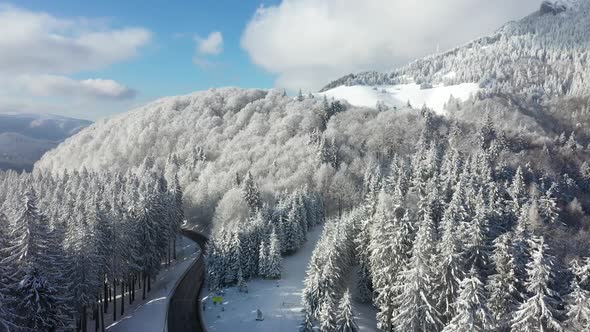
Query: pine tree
{"type": "Point", "coordinates": [502, 285]}
{"type": "Point", "coordinates": [345, 319]}
{"type": "Point", "coordinates": [274, 258]}
{"type": "Point", "coordinates": [518, 190]}
{"type": "Point", "coordinates": [578, 301]}
{"type": "Point", "coordinates": [471, 310]}
{"type": "Point", "coordinates": [578, 309]}
{"type": "Point", "coordinates": [38, 301]}
{"type": "Point", "coordinates": [250, 193]}
{"type": "Point", "coordinates": [327, 314]}
{"type": "Point", "coordinates": [414, 306]}
{"type": "Point", "coordinates": [450, 263]}
{"type": "Point", "coordinates": [307, 324]}
{"type": "Point", "coordinates": [538, 312]}
{"type": "Point", "coordinates": [263, 259]}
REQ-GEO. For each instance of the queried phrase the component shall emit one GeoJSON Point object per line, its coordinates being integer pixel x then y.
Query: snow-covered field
{"type": "Point", "coordinates": [150, 315]}
{"type": "Point", "coordinates": [279, 300]}
{"type": "Point", "coordinates": [399, 95]}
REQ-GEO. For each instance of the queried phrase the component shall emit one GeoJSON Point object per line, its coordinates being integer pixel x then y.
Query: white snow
{"type": "Point", "coordinates": [279, 300]}
{"type": "Point", "coordinates": [399, 95]}
{"type": "Point", "coordinates": [150, 315]}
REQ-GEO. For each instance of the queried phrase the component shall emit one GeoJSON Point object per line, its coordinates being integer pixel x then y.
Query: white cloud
{"type": "Point", "coordinates": [38, 43]}
{"type": "Point", "coordinates": [311, 42]}
{"type": "Point", "coordinates": [53, 85]}
{"type": "Point", "coordinates": [212, 45]}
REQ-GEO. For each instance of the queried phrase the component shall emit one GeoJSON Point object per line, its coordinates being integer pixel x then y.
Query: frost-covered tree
{"type": "Point", "coordinates": [502, 285]}
{"type": "Point", "coordinates": [415, 309]}
{"type": "Point", "coordinates": [538, 312]}
{"type": "Point", "coordinates": [250, 193]}
{"type": "Point", "coordinates": [274, 258]}
{"type": "Point", "coordinates": [578, 301]}
{"type": "Point", "coordinates": [345, 320]}
{"type": "Point", "coordinates": [471, 309]}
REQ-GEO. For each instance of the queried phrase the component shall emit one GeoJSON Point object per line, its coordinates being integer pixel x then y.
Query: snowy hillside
{"type": "Point", "coordinates": [401, 95]}
{"type": "Point", "coordinates": [542, 55]}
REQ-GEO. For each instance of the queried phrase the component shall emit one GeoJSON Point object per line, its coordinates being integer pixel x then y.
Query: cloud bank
{"type": "Point", "coordinates": [52, 85]}
{"type": "Point", "coordinates": [39, 51]}
{"type": "Point", "coordinates": [308, 43]}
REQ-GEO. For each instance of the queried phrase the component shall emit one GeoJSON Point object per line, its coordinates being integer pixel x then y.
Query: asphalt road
{"type": "Point", "coordinates": [183, 312]}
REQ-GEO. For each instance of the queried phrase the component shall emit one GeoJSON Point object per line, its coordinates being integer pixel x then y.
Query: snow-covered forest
{"type": "Point", "coordinates": [471, 219]}
{"type": "Point", "coordinates": [450, 238]}
{"type": "Point", "coordinates": [73, 244]}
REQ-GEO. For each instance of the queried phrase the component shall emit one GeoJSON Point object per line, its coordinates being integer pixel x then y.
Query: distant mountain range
{"type": "Point", "coordinates": [25, 137]}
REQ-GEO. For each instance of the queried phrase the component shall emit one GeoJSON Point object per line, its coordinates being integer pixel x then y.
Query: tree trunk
{"type": "Point", "coordinates": [149, 283]}
{"type": "Point", "coordinates": [84, 319]}
{"type": "Point", "coordinates": [130, 289]}
{"type": "Point", "coordinates": [96, 314]}
{"type": "Point", "coordinates": [105, 300]}
{"type": "Point", "coordinates": [102, 318]}
{"type": "Point", "coordinates": [143, 276]}
{"type": "Point", "coordinates": [122, 297]}
{"type": "Point", "coordinates": [174, 247]}
{"type": "Point", "coordinates": [169, 253]}
{"type": "Point", "coordinates": [115, 300]}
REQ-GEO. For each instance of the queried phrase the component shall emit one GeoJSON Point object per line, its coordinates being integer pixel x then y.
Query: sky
{"type": "Point", "coordinates": [94, 59]}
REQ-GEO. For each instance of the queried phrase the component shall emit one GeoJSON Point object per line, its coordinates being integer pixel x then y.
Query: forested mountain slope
{"type": "Point", "coordinates": [539, 57]}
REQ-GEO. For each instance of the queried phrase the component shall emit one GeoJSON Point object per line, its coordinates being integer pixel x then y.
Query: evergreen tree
{"type": "Point", "coordinates": [250, 193]}
{"type": "Point", "coordinates": [578, 301]}
{"type": "Point", "coordinates": [578, 309]}
{"type": "Point", "coordinates": [471, 309]}
{"type": "Point", "coordinates": [263, 260]}
{"type": "Point", "coordinates": [345, 319]}
{"type": "Point", "coordinates": [502, 285]}
{"type": "Point", "coordinates": [538, 312]}
{"type": "Point", "coordinates": [274, 258]}
{"type": "Point", "coordinates": [414, 306]}
{"type": "Point", "coordinates": [449, 271]}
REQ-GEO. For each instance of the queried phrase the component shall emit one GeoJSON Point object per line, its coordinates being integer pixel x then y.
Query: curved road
{"type": "Point", "coordinates": [183, 312]}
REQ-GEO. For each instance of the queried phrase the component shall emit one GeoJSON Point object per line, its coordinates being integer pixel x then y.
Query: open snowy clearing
{"type": "Point", "coordinates": [150, 315]}
{"type": "Point", "coordinates": [399, 95]}
{"type": "Point", "coordinates": [279, 300]}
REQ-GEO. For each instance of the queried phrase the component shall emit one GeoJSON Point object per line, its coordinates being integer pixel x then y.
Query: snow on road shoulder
{"type": "Point", "coordinates": [279, 300]}
{"type": "Point", "coordinates": [399, 95]}
{"type": "Point", "coordinates": [151, 314]}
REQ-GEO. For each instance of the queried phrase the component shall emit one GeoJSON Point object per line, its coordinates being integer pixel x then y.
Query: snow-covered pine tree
{"type": "Point", "coordinates": [415, 309]}
{"type": "Point", "coordinates": [385, 259]}
{"type": "Point", "coordinates": [471, 309]}
{"type": "Point", "coordinates": [36, 302]}
{"type": "Point", "coordinates": [328, 314]}
{"type": "Point", "coordinates": [263, 259]}
{"type": "Point", "coordinates": [307, 324]}
{"type": "Point", "coordinates": [538, 312]}
{"type": "Point", "coordinates": [578, 301]}
{"type": "Point", "coordinates": [504, 296]}
{"type": "Point", "coordinates": [518, 191]}
{"type": "Point", "coordinates": [250, 193]}
{"type": "Point", "coordinates": [477, 246]}
{"type": "Point", "coordinates": [345, 319]}
{"type": "Point", "coordinates": [449, 271]}
{"type": "Point", "coordinates": [274, 258]}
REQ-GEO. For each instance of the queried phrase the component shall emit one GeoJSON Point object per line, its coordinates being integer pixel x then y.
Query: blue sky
{"type": "Point", "coordinates": [165, 66]}
{"type": "Point", "coordinates": [93, 59]}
